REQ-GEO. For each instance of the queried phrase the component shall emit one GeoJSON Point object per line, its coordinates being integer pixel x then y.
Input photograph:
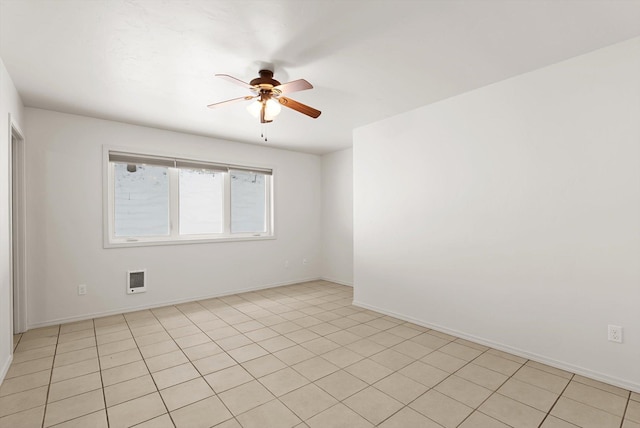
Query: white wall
{"type": "Point", "coordinates": [511, 214]}
{"type": "Point", "coordinates": [10, 103]}
{"type": "Point", "coordinates": [337, 217]}
{"type": "Point", "coordinates": [64, 204]}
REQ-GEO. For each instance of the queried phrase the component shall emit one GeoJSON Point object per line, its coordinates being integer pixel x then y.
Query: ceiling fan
{"type": "Point", "coordinates": [269, 96]}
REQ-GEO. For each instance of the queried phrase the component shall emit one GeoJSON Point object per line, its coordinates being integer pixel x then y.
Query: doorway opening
{"type": "Point", "coordinates": [17, 221]}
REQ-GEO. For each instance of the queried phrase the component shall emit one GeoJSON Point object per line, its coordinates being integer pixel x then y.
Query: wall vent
{"type": "Point", "coordinates": [136, 281]}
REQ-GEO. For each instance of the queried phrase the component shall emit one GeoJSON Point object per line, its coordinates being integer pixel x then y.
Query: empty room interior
{"type": "Point", "coordinates": [320, 214]}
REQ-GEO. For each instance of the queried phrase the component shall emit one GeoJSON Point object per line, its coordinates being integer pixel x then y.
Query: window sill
{"type": "Point", "coordinates": [149, 242]}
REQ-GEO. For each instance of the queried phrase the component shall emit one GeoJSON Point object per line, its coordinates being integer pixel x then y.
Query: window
{"type": "Point", "coordinates": [160, 200]}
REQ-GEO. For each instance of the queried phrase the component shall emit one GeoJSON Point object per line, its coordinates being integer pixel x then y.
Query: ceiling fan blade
{"type": "Point", "coordinates": [299, 107]}
{"type": "Point", "coordinates": [231, 101]}
{"type": "Point", "coordinates": [294, 86]}
{"type": "Point", "coordinates": [234, 80]}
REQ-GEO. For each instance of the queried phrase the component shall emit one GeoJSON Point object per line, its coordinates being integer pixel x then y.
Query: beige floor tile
{"type": "Point", "coordinates": [114, 337]}
{"type": "Point", "coordinates": [480, 420]}
{"type": "Point", "coordinates": [512, 412]}
{"type": "Point", "coordinates": [528, 394]}
{"type": "Point", "coordinates": [368, 371]}
{"type": "Point", "coordinates": [633, 411]}
{"type": "Point", "coordinates": [583, 415]}
{"type": "Point", "coordinates": [162, 421]}
{"type": "Point", "coordinates": [392, 359]}
{"type": "Point", "coordinates": [473, 345]}
{"type": "Point", "coordinates": [463, 391]}
{"type": "Point", "coordinates": [73, 407]}
{"type": "Point", "coordinates": [549, 369]}
{"type": "Point", "coordinates": [343, 338]}
{"type": "Point", "coordinates": [320, 345]}
{"type": "Point", "coordinates": [365, 347]}
{"type": "Point", "coordinates": [627, 423]}
{"type": "Point", "coordinates": [125, 372]}
{"type": "Point", "coordinates": [246, 353]}
{"type": "Point", "coordinates": [404, 331]}
{"type": "Point", "coordinates": [507, 356]}
{"type": "Point", "coordinates": [117, 346]}
{"type": "Point", "coordinates": [42, 332]}
{"type": "Point", "coordinates": [76, 326]}
{"type": "Point", "coordinates": [283, 381]}
{"type": "Point", "coordinates": [144, 330]}
{"type": "Point", "coordinates": [26, 345]}
{"type": "Point", "coordinates": [263, 366]}
{"type": "Point", "coordinates": [245, 397]}
{"type": "Point", "coordinates": [541, 379]}
{"type": "Point", "coordinates": [228, 378]}
{"type": "Point", "coordinates": [341, 384]}
{"type": "Point", "coordinates": [214, 363]}
{"type": "Point", "coordinates": [553, 422]}
{"type": "Point", "coordinates": [89, 342]}
{"type": "Point", "coordinates": [269, 415]}
{"type": "Point", "coordinates": [635, 396]}
{"type": "Point", "coordinates": [193, 340]}
{"type": "Point", "coordinates": [338, 416]}
{"type": "Point", "coordinates": [424, 373]}
{"type": "Point", "coordinates": [248, 326]}
{"type": "Point", "coordinates": [409, 418]}
{"type": "Point", "coordinates": [76, 335]}
{"type": "Point", "coordinates": [315, 368]}
{"type": "Point", "coordinates": [600, 385]}
{"type": "Point", "coordinates": [150, 339]}
{"type": "Point", "coordinates": [401, 388]}
{"type": "Point", "coordinates": [363, 330]}
{"type": "Point", "coordinates": [441, 409]}
{"type": "Point", "coordinates": [463, 352]}
{"type": "Point", "coordinates": [25, 419]}
{"type": "Point", "coordinates": [24, 383]}
{"type": "Point", "coordinates": [187, 330]}
{"type": "Point", "coordinates": [94, 420]}
{"type": "Point", "coordinates": [129, 390]}
{"type": "Point", "coordinates": [342, 357]}
{"type": "Point", "coordinates": [34, 354]}
{"type": "Point", "coordinates": [175, 375]}
{"type": "Point", "coordinates": [74, 386]}
{"type": "Point", "coordinates": [412, 349]}
{"type": "Point", "coordinates": [308, 401]}
{"type": "Point", "coordinates": [119, 359]}
{"type": "Point", "coordinates": [135, 411]}
{"type": "Point", "coordinates": [498, 364]}
{"type": "Point", "coordinates": [261, 334]}
{"type": "Point", "coordinates": [28, 367]}
{"type": "Point", "coordinates": [158, 348]}
{"type": "Point", "coordinates": [481, 376]}
{"type": "Point", "coordinates": [373, 405]}
{"type": "Point", "coordinates": [430, 340]}
{"type": "Point", "coordinates": [233, 342]}
{"type": "Point", "coordinates": [186, 393]}
{"type": "Point", "coordinates": [74, 370]}
{"type": "Point", "coordinates": [202, 350]}
{"type": "Point", "coordinates": [295, 354]}
{"type": "Point", "coordinates": [446, 362]}
{"type": "Point", "coordinates": [165, 361]}
{"type": "Point", "coordinates": [221, 333]}
{"type": "Point", "coordinates": [385, 339]}
{"type": "Point", "coordinates": [75, 356]}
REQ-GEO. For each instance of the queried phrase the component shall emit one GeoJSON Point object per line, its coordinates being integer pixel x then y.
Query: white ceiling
{"type": "Point", "coordinates": [151, 62]}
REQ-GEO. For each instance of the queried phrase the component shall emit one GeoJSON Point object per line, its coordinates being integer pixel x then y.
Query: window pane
{"type": "Point", "coordinates": [141, 200]}
{"type": "Point", "coordinates": [248, 212]}
{"type": "Point", "coordinates": [201, 201]}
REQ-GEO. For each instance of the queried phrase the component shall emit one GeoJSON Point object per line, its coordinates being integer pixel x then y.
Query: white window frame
{"type": "Point", "coordinates": [174, 237]}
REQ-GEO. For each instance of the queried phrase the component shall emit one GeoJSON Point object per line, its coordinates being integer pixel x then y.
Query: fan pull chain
{"type": "Point", "coordinates": [263, 132]}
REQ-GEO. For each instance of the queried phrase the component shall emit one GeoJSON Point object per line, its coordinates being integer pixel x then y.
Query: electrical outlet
{"type": "Point", "coordinates": [82, 290]}
{"type": "Point", "coordinates": [615, 333]}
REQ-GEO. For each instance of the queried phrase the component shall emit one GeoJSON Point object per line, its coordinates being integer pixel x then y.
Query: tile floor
{"type": "Point", "coordinates": [294, 356]}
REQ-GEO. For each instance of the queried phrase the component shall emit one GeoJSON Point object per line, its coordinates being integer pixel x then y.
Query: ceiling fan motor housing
{"type": "Point", "coordinates": [265, 81]}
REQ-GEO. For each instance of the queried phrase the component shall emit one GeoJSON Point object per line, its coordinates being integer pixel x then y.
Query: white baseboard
{"type": "Point", "coordinates": [337, 281]}
{"type": "Point", "coordinates": [5, 367]}
{"type": "Point", "coordinates": [83, 317]}
{"type": "Point", "coordinates": [602, 377]}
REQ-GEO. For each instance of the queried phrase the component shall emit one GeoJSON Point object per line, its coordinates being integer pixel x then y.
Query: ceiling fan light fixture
{"type": "Point", "coordinates": [272, 109]}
